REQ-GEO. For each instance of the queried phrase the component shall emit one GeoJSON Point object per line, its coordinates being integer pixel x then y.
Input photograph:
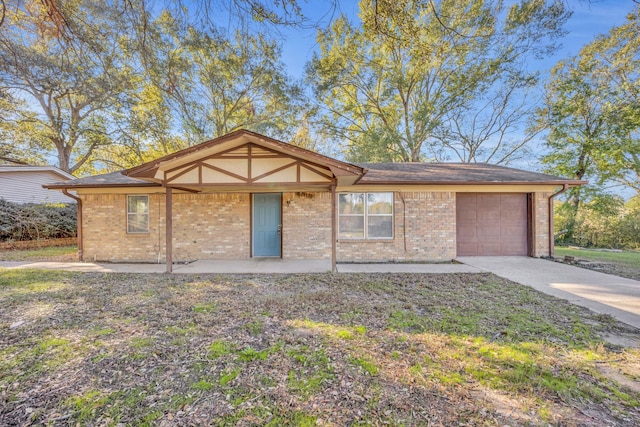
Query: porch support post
{"type": "Point", "coordinates": [169, 228]}
{"type": "Point", "coordinates": [334, 235]}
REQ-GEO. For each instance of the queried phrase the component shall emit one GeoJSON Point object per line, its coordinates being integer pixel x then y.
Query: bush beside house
{"type": "Point", "coordinates": [20, 222]}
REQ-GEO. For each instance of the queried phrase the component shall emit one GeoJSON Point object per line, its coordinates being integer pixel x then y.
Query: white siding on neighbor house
{"type": "Point", "coordinates": [26, 187]}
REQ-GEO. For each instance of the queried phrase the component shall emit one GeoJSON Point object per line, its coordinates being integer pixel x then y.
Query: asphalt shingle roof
{"type": "Point", "coordinates": [379, 173]}
{"type": "Point", "coordinates": [451, 173]}
{"type": "Point", "coordinates": [113, 179]}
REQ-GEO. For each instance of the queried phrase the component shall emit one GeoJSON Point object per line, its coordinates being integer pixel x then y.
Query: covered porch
{"type": "Point", "coordinates": [264, 169]}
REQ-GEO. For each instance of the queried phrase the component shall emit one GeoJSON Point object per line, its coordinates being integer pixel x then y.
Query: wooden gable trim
{"type": "Point", "coordinates": [222, 171]}
{"type": "Point", "coordinates": [249, 158]}
{"type": "Point", "coordinates": [255, 185]}
{"type": "Point", "coordinates": [184, 172]}
{"type": "Point", "coordinates": [149, 169]}
{"type": "Point", "coordinates": [251, 148]}
{"type": "Point", "coordinates": [309, 168]}
{"type": "Point", "coordinates": [271, 172]}
{"type": "Point", "coordinates": [285, 155]}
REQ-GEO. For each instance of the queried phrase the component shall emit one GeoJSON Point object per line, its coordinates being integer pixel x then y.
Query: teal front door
{"type": "Point", "coordinates": [267, 227]}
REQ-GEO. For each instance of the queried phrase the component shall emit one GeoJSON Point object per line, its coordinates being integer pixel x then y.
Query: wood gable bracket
{"type": "Point", "coordinates": [249, 164]}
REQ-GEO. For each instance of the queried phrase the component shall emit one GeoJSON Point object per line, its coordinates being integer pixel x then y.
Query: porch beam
{"type": "Point", "coordinates": [169, 228]}
{"type": "Point", "coordinates": [334, 235]}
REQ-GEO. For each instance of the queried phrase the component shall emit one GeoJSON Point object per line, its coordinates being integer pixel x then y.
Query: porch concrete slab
{"type": "Point", "coordinates": [254, 265]}
{"type": "Point", "coordinates": [407, 268]}
{"type": "Point", "coordinates": [603, 293]}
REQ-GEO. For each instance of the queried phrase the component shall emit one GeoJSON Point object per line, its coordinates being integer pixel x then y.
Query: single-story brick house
{"type": "Point", "coordinates": [245, 195]}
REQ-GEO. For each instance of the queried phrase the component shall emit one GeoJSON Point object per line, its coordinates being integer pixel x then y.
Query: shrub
{"type": "Point", "coordinates": [601, 223]}
{"type": "Point", "coordinates": [37, 221]}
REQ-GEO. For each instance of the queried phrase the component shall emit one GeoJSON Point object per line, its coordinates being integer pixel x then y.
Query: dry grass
{"type": "Point", "coordinates": [383, 349]}
{"type": "Point", "coordinates": [623, 264]}
{"type": "Point", "coordinates": [52, 253]}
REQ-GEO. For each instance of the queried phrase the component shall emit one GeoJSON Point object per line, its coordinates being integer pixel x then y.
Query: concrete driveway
{"type": "Point", "coordinates": [602, 293]}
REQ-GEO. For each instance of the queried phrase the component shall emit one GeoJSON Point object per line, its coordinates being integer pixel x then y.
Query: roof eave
{"type": "Point", "coordinates": [571, 183]}
{"type": "Point", "coordinates": [71, 187]}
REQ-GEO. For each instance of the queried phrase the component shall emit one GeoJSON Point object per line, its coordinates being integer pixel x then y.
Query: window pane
{"type": "Point", "coordinates": [138, 214]}
{"type": "Point", "coordinates": [138, 204]}
{"type": "Point", "coordinates": [379, 203]}
{"type": "Point", "coordinates": [351, 203]}
{"type": "Point", "coordinates": [138, 223]}
{"type": "Point", "coordinates": [351, 227]}
{"type": "Point", "coordinates": [380, 227]}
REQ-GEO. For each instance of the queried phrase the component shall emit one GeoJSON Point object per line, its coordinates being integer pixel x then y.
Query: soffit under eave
{"type": "Point", "coordinates": [452, 187]}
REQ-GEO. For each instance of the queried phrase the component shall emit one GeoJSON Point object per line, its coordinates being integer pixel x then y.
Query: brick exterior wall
{"type": "Point", "coordinates": [217, 226]}
{"type": "Point", "coordinates": [211, 226]}
{"type": "Point", "coordinates": [205, 226]}
{"type": "Point", "coordinates": [424, 230]}
{"type": "Point", "coordinates": [306, 225]}
{"type": "Point", "coordinates": [104, 229]}
{"type": "Point", "coordinates": [541, 235]}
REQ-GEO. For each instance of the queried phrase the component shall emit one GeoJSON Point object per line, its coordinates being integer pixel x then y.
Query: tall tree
{"type": "Point", "coordinates": [616, 58]}
{"type": "Point", "coordinates": [397, 85]}
{"type": "Point", "coordinates": [592, 109]}
{"type": "Point", "coordinates": [592, 113]}
{"type": "Point", "coordinates": [216, 85]}
{"type": "Point", "coordinates": [68, 87]}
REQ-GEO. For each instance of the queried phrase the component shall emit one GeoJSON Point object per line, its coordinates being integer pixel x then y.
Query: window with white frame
{"type": "Point", "coordinates": [365, 216]}
{"type": "Point", "coordinates": [137, 214]}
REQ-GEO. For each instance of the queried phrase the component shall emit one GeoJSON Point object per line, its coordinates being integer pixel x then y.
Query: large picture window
{"type": "Point", "coordinates": [365, 216]}
{"type": "Point", "coordinates": [137, 214]}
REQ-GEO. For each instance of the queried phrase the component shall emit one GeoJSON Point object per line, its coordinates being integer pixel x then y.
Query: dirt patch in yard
{"type": "Point", "coordinates": [610, 268]}
{"type": "Point", "coordinates": [315, 349]}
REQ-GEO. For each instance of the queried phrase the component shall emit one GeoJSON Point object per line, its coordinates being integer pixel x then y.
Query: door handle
{"type": "Point", "coordinates": [279, 229]}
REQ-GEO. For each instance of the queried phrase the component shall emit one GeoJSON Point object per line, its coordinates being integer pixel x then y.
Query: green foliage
{"type": "Point", "coordinates": [592, 112]}
{"type": "Point", "coordinates": [249, 354]}
{"type": "Point", "coordinates": [228, 376]}
{"type": "Point", "coordinates": [399, 85]}
{"type": "Point", "coordinates": [202, 385]}
{"type": "Point", "coordinates": [367, 365]}
{"type": "Point", "coordinates": [37, 221]}
{"type": "Point", "coordinates": [314, 373]}
{"type": "Point", "coordinates": [603, 222]}
{"type": "Point", "coordinates": [70, 89]}
{"type": "Point", "coordinates": [205, 308]}
{"type": "Point", "coordinates": [220, 348]}
{"type": "Point", "coordinates": [216, 84]}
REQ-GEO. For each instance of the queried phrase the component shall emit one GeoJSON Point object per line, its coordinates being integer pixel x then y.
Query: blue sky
{"type": "Point", "coordinates": [590, 18]}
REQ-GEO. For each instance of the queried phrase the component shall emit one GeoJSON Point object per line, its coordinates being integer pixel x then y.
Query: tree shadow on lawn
{"type": "Point", "coordinates": [315, 349]}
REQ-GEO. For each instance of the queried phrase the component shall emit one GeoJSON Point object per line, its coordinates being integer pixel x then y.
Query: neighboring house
{"type": "Point", "coordinates": [244, 195]}
{"type": "Point", "coordinates": [24, 184]}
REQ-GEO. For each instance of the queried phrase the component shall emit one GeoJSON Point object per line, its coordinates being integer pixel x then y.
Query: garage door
{"type": "Point", "coordinates": [491, 224]}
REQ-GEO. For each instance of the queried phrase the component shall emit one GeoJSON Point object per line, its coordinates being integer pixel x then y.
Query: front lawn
{"type": "Point", "coordinates": [53, 253]}
{"type": "Point", "coordinates": [623, 263]}
{"type": "Point", "coordinates": [305, 350]}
